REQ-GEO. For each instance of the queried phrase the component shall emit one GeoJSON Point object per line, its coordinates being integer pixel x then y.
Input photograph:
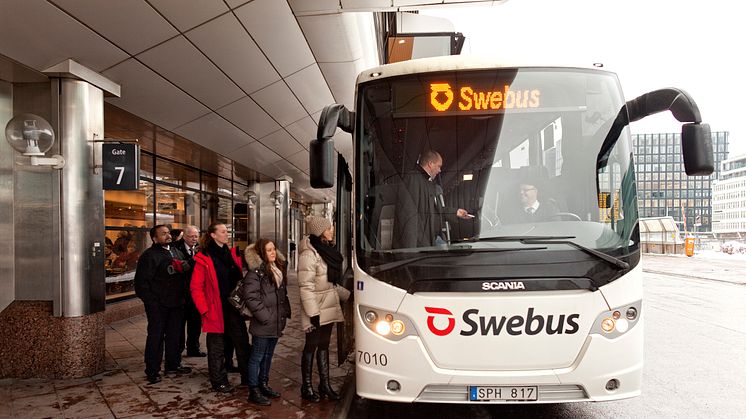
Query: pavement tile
{"type": "Point", "coordinates": [31, 387]}
{"type": "Point", "coordinates": [37, 406]}
{"type": "Point", "coordinates": [127, 399]}
{"type": "Point", "coordinates": [113, 377]}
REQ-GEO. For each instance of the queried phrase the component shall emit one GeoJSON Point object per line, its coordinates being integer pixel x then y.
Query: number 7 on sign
{"type": "Point", "coordinates": [121, 173]}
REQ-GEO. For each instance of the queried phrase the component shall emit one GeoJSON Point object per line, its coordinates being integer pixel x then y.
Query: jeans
{"type": "Point", "coordinates": [260, 360]}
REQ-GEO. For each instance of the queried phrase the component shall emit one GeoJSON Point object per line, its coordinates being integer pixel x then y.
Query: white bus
{"type": "Point", "coordinates": [495, 306]}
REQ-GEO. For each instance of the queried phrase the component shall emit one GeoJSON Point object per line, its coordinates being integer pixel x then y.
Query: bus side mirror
{"type": "Point", "coordinates": [321, 158]}
{"type": "Point", "coordinates": [696, 147]}
{"type": "Point", "coordinates": [321, 151]}
{"type": "Point", "coordinates": [696, 143]}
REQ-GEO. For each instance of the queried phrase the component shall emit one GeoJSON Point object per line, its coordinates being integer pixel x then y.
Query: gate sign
{"type": "Point", "coordinates": [121, 166]}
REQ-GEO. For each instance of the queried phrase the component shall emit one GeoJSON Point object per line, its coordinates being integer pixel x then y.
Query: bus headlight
{"type": "Point", "coordinates": [617, 321]}
{"type": "Point", "coordinates": [383, 328]}
{"type": "Point", "coordinates": [390, 325]}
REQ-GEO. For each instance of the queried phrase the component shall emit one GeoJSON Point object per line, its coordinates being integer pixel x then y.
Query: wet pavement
{"type": "Point", "coordinates": [708, 265]}
{"type": "Point", "coordinates": [123, 392]}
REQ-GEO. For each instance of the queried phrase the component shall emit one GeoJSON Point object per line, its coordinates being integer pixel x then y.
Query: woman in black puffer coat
{"type": "Point", "coordinates": [265, 292]}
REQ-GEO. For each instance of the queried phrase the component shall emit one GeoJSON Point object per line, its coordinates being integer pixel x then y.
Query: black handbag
{"type": "Point", "coordinates": [237, 301]}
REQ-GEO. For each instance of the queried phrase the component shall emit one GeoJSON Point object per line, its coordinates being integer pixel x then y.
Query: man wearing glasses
{"type": "Point", "coordinates": [531, 209]}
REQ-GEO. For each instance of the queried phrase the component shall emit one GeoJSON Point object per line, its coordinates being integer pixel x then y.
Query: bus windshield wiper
{"type": "Point", "coordinates": [563, 240]}
{"type": "Point", "coordinates": [425, 254]}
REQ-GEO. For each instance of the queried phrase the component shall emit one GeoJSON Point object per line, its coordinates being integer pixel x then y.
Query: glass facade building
{"type": "Point", "coordinates": [663, 187]}
{"type": "Point", "coordinates": [729, 200]}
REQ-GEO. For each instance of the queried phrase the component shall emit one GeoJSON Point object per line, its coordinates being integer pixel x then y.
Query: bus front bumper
{"type": "Point", "coordinates": [414, 378]}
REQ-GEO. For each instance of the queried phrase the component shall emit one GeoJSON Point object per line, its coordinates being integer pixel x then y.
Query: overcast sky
{"type": "Point", "coordinates": [697, 46]}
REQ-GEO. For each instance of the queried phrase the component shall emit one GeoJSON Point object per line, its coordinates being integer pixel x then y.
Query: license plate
{"type": "Point", "coordinates": [504, 393]}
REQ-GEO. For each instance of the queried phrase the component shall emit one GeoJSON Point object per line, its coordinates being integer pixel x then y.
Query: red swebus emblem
{"type": "Point", "coordinates": [431, 321]}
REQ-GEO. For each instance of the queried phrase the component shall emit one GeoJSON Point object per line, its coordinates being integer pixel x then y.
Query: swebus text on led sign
{"type": "Point", "coordinates": [442, 98]}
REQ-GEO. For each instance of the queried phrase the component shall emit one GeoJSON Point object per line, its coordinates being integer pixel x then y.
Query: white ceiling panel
{"type": "Point", "coordinates": [344, 45]}
{"type": "Point", "coordinates": [149, 96]}
{"type": "Point", "coordinates": [215, 133]}
{"type": "Point", "coordinates": [186, 14]}
{"type": "Point", "coordinates": [270, 170]}
{"type": "Point", "coordinates": [236, 3]}
{"type": "Point", "coordinates": [284, 167]}
{"type": "Point", "coordinates": [274, 28]}
{"type": "Point", "coordinates": [369, 5]}
{"type": "Point", "coordinates": [300, 160]}
{"type": "Point", "coordinates": [59, 37]}
{"type": "Point", "coordinates": [282, 143]}
{"type": "Point", "coordinates": [228, 45]}
{"type": "Point", "coordinates": [114, 20]}
{"type": "Point", "coordinates": [256, 155]}
{"type": "Point", "coordinates": [301, 7]}
{"type": "Point", "coordinates": [342, 78]}
{"type": "Point", "coordinates": [248, 116]}
{"type": "Point", "coordinates": [310, 88]}
{"type": "Point", "coordinates": [279, 102]}
{"type": "Point", "coordinates": [304, 131]}
{"type": "Point", "coordinates": [402, 3]}
{"type": "Point", "coordinates": [181, 63]}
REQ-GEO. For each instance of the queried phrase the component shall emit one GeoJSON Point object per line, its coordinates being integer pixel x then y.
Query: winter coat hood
{"type": "Point", "coordinates": [254, 261]}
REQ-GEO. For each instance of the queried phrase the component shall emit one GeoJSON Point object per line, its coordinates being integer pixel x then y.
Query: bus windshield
{"type": "Point", "coordinates": [526, 169]}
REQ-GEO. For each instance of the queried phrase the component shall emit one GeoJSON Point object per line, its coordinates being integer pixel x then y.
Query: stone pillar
{"type": "Point", "coordinates": [64, 337]}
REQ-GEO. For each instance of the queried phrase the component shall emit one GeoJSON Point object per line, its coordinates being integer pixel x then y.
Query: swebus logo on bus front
{"type": "Point", "coordinates": [471, 98]}
{"type": "Point", "coordinates": [530, 324]}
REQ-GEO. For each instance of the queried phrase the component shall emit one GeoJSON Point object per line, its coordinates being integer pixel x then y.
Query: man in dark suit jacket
{"type": "Point", "coordinates": [531, 209]}
{"type": "Point", "coordinates": [419, 219]}
{"type": "Point", "coordinates": [187, 247]}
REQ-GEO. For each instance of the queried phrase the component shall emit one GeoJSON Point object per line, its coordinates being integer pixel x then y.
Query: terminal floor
{"type": "Point", "coordinates": [122, 391]}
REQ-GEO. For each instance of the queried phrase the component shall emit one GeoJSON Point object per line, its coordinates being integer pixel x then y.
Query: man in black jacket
{"type": "Point", "coordinates": [420, 207]}
{"type": "Point", "coordinates": [160, 285]}
{"type": "Point", "coordinates": [190, 332]}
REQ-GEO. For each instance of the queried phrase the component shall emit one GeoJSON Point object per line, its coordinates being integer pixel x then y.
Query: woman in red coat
{"type": "Point", "coordinates": [217, 270]}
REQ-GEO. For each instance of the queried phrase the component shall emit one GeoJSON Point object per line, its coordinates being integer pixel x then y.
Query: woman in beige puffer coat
{"type": "Point", "coordinates": [319, 269]}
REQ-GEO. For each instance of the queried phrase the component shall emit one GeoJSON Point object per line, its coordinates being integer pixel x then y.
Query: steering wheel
{"type": "Point", "coordinates": [570, 216]}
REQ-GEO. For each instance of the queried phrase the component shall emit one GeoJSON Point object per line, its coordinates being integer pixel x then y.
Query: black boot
{"type": "Point", "coordinates": [255, 396]}
{"type": "Point", "coordinates": [306, 368]}
{"type": "Point", "coordinates": [325, 390]}
{"type": "Point", "coordinates": [267, 391]}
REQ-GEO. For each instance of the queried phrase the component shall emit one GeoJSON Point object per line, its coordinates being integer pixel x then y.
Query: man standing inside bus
{"type": "Point", "coordinates": [420, 207]}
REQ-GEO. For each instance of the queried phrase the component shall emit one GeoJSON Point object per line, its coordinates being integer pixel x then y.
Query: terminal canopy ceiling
{"type": "Point", "coordinates": [246, 79]}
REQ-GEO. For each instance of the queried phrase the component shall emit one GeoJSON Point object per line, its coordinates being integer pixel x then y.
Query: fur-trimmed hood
{"type": "Point", "coordinates": [254, 261]}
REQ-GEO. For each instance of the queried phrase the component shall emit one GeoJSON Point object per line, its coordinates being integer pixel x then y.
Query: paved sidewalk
{"type": "Point", "coordinates": [122, 391]}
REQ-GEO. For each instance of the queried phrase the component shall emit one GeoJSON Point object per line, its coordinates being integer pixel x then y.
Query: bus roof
{"type": "Point", "coordinates": [451, 62]}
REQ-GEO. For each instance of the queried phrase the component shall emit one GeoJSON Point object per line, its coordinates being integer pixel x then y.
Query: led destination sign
{"type": "Point", "coordinates": [485, 92]}
{"type": "Point", "coordinates": [469, 98]}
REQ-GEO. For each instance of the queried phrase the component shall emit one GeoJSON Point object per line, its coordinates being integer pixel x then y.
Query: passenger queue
{"type": "Point", "coordinates": [177, 277]}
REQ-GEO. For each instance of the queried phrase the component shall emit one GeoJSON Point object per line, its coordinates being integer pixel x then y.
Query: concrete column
{"type": "Point", "coordinates": [79, 110]}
